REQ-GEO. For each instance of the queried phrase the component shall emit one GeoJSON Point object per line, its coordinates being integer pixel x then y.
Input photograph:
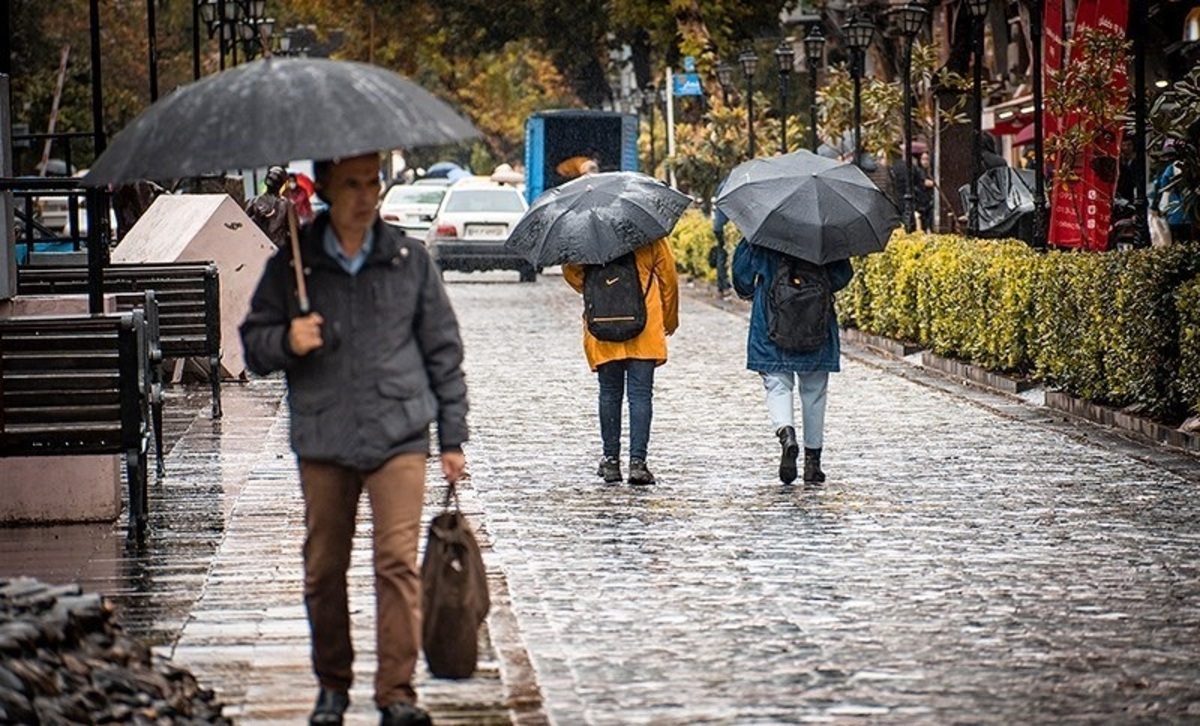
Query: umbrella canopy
{"type": "Point", "coordinates": [597, 218]}
{"type": "Point", "coordinates": [809, 207]}
{"type": "Point", "coordinates": [272, 110]}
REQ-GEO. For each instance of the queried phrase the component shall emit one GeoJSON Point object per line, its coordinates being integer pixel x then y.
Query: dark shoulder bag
{"type": "Point", "coordinates": [455, 600]}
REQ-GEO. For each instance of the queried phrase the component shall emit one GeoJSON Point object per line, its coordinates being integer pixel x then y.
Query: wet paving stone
{"type": "Point", "coordinates": [970, 560]}
{"type": "Point", "coordinates": [960, 565]}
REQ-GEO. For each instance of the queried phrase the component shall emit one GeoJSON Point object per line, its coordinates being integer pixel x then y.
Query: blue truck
{"type": "Point", "coordinates": [552, 137]}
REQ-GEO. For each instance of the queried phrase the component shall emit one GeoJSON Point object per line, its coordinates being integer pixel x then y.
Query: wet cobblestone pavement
{"type": "Point", "coordinates": [972, 559]}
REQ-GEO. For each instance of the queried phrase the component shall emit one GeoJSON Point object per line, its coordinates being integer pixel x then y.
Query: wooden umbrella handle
{"type": "Point", "coordinates": [297, 263]}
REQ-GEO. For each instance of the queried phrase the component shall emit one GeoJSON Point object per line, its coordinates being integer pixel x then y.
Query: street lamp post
{"type": "Point", "coordinates": [978, 10]}
{"type": "Point", "coordinates": [749, 62]}
{"type": "Point", "coordinates": [858, 37]}
{"type": "Point", "coordinates": [912, 19]}
{"type": "Point", "coordinates": [814, 51]}
{"type": "Point", "coordinates": [1039, 142]}
{"type": "Point", "coordinates": [1140, 203]}
{"type": "Point", "coordinates": [725, 80]}
{"type": "Point", "coordinates": [785, 57]}
{"type": "Point", "coordinates": [651, 100]}
{"type": "Point", "coordinates": [234, 23]}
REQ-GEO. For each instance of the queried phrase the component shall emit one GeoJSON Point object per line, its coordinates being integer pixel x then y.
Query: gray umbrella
{"type": "Point", "coordinates": [809, 207]}
{"type": "Point", "coordinates": [274, 110]}
{"type": "Point", "coordinates": [597, 218]}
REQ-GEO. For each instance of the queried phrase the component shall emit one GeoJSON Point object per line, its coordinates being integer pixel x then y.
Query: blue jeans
{"type": "Point", "coordinates": [615, 377]}
{"type": "Point", "coordinates": [813, 390]}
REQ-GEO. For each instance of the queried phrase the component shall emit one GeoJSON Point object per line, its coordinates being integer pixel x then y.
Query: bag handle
{"type": "Point", "coordinates": [451, 493]}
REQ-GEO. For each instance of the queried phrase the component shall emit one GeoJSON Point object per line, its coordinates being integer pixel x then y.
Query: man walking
{"type": "Point", "coordinates": [375, 362]}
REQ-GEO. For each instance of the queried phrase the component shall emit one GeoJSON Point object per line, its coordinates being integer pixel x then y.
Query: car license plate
{"type": "Point", "coordinates": [491, 231]}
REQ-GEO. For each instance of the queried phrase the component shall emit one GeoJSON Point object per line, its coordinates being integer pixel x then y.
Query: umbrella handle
{"type": "Point", "coordinates": [297, 263]}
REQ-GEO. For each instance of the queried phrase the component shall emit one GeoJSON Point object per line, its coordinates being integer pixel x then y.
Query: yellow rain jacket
{"type": "Point", "coordinates": [656, 269]}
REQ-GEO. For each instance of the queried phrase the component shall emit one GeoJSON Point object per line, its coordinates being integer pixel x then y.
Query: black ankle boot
{"type": "Point", "coordinates": [789, 451]}
{"type": "Point", "coordinates": [610, 469]}
{"type": "Point", "coordinates": [330, 707]}
{"type": "Point", "coordinates": [812, 466]}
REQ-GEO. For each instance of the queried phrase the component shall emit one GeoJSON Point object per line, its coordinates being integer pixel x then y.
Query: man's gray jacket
{"type": "Point", "coordinates": [391, 362]}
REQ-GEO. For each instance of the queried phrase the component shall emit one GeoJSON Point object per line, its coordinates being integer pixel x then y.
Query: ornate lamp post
{"type": "Point", "coordinates": [912, 19]}
{"type": "Point", "coordinates": [1039, 141]}
{"type": "Point", "coordinates": [749, 62]}
{"type": "Point", "coordinates": [1140, 203]}
{"type": "Point", "coordinates": [978, 10]}
{"type": "Point", "coordinates": [649, 100]}
{"type": "Point", "coordinates": [232, 21]}
{"type": "Point", "coordinates": [814, 52]}
{"type": "Point", "coordinates": [858, 37]}
{"type": "Point", "coordinates": [785, 57]}
{"type": "Point", "coordinates": [725, 80]}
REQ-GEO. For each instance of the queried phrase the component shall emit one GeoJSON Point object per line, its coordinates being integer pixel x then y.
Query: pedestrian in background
{"type": "Point", "coordinates": [301, 198]}
{"type": "Point", "coordinates": [925, 191]}
{"type": "Point", "coordinates": [626, 368]}
{"type": "Point", "coordinates": [718, 256]}
{"type": "Point", "coordinates": [377, 361]}
{"type": "Point", "coordinates": [269, 210]}
{"type": "Point", "coordinates": [754, 269]}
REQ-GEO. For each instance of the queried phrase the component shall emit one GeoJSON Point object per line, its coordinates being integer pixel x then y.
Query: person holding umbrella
{"type": "Point", "coordinates": [802, 217]}
{"type": "Point", "coordinates": [625, 369]}
{"type": "Point", "coordinates": [609, 231]}
{"type": "Point", "coordinates": [781, 369]}
{"type": "Point", "coordinates": [370, 366]}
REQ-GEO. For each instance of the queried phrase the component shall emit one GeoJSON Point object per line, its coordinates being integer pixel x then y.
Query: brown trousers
{"type": "Point", "coordinates": [396, 492]}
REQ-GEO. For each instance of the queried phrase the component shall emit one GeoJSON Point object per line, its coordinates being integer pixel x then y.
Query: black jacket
{"type": "Point", "coordinates": [391, 363]}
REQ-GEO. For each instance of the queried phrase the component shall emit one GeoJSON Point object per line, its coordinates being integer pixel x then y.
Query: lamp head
{"type": "Point", "coordinates": [859, 32]}
{"type": "Point", "coordinates": [814, 45]}
{"type": "Point", "coordinates": [785, 57]}
{"type": "Point", "coordinates": [749, 62]}
{"type": "Point", "coordinates": [724, 75]}
{"type": "Point", "coordinates": [911, 18]}
{"type": "Point", "coordinates": [978, 8]}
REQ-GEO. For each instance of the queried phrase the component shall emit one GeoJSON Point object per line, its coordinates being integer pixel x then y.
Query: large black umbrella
{"type": "Point", "coordinates": [808, 206]}
{"type": "Point", "coordinates": [1005, 201]}
{"type": "Point", "coordinates": [597, 218]}
{"type": "Point", "coordinates": [274, 110]}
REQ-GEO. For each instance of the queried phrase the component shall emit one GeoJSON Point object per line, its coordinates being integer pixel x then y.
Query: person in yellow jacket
{"type": "Point", "coordinates": [627, 368]}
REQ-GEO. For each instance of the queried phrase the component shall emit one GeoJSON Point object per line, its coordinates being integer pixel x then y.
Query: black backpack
{"type": "Point", "coordinates": [799, 303]}
{"type": "Point", "coordinates": [614, 304]}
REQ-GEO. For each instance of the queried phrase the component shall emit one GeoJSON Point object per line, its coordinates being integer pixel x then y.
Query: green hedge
{"type": "Point", "coordinates": [1121, 328]}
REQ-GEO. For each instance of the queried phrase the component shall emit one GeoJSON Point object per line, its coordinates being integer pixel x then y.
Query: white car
{"type": "Point", "coordinates": [412, 206]}
{"type": "Point", "coordinates": [472, 224]}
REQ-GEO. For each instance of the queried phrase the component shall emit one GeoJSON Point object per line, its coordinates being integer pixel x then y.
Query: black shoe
{"type": "Point", "coordinates": [330, 707]}
{"type": "Point", "coordinates": [610, 469]}
{"type": "Point", "coordinates": [789, 451]}
{"type": "Point", "coordinates": [638, 473]}
{"type": "Point", "coordinates": [403, 714]}
{"type": "Point", "coordinates": [812, 467]}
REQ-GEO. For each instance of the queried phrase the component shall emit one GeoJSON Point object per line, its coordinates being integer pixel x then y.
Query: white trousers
{"type": "Point", "coordinates": [780, 403]}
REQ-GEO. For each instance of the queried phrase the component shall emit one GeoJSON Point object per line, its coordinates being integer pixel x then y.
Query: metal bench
{"type": "Point", "coordinates": [189, 301]}
{"type": "Point", "coordinates": [78, 385]}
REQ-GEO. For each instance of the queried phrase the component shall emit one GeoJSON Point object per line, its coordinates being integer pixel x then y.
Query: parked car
{"type": "Point", "coordinates": [474, 220]}
{"type": "Point", "coordinates": [412, 206]}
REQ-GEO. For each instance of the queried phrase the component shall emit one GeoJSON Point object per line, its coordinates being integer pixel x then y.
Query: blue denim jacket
{"type": "Point", "coordinates": [753, 268]}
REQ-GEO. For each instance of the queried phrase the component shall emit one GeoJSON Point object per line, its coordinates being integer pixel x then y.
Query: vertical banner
{"type": "Point", "coordinates": [1080, 214]}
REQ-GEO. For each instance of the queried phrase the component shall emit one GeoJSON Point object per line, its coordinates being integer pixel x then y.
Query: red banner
{"type": "Point", "coordinates": [1080, 212]}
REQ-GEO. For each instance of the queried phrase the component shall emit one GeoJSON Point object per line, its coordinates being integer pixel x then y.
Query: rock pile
{"type": "Point", "coordinates": [64, 659]}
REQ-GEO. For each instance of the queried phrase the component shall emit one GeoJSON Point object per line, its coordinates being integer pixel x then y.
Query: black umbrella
{"type": "Point", "coordinates": [597, 218]}
{"type": "Point", "coordinates": [274, 110]}
{"type": "Point", "coordinates": [809, 207]}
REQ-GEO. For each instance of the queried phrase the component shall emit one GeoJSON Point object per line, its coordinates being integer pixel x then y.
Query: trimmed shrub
{"type": "Point", "coordinates": [1187, 305]}
{"type": "Point", "coordinates": [1120, 328]}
